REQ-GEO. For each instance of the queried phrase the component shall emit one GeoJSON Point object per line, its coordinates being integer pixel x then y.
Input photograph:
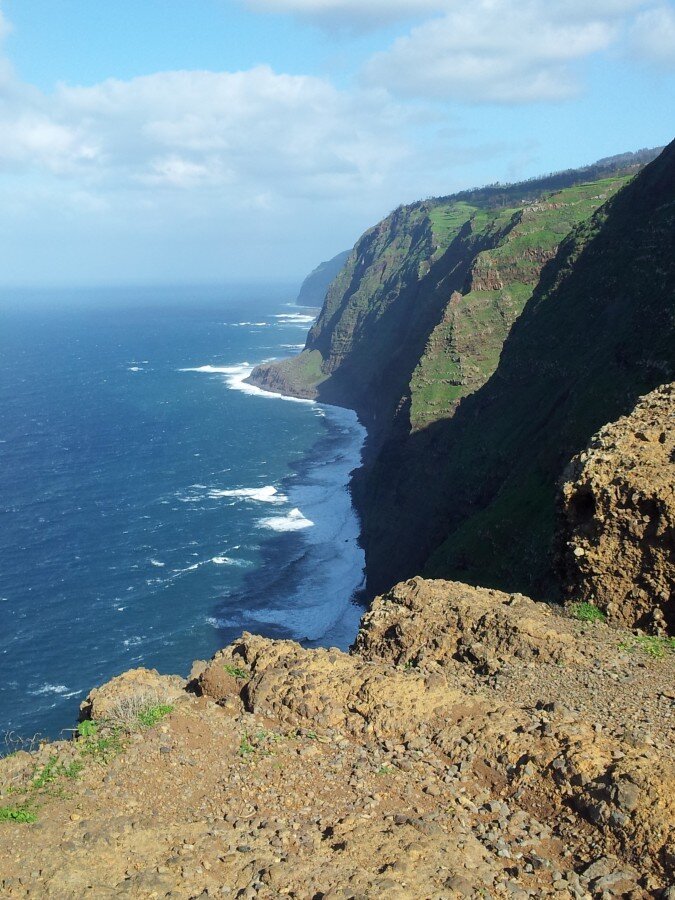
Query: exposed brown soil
{"type": "Point", "coordinates": [476, 744]}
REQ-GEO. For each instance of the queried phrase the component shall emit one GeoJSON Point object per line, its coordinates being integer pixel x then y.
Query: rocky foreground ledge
{"type": "Point", "coordinates": [474, 744]}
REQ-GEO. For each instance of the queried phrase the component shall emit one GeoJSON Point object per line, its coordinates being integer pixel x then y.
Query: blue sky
{"type": "Point", "coordinates": [215, 140]}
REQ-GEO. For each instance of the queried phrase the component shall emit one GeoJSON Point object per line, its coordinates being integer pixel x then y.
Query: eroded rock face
{"type": "Point", "coordinates": [617, 515]}
{"type": "Point", "coordinates": [422, 622]}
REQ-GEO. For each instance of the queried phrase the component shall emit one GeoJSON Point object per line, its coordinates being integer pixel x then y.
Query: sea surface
{"type": "Point", "coordinates": [152, 506]}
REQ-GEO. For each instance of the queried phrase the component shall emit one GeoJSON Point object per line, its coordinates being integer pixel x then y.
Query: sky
{"type": "Point", "coordinates": [188, 141]}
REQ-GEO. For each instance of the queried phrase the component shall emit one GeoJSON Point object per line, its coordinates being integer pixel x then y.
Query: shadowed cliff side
{"type": "Point", "coordinates": [473, 497]}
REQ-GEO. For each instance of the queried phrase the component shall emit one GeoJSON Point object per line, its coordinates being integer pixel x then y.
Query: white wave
{"type": "Point", "coordinates": [221, 623]}
{"type": "Point", "coordinates": [50, 689]}
{"type": "Point", "coordinates": [135, 369]}
{"type": "Point", "coordinates": [176, 573]}
{"type": "Point", "coordinates": [235, 378]}
{"type": "Point", "coordinates": [292, 346]}
{"type": "Point", "coordinates": [133, 641]}
{"type": "Point", "coordinates": [294, 521]}
{"type": "Point", "coordinates": [268, 494]}
{"type": "Point", "coordinates": [294, 317]}
{"type": "Point", "coordinates": [228, 561]}
{"type": "Point", "coordinates": [156, 562]}
{"type": "Point", "coordinates": [246, 324]}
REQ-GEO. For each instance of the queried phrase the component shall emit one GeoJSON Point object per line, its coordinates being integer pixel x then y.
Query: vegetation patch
{"type": "Point", "coordinates": [587, 612]}
{"type": "Point", "coordinates": [237, 672]}
{"type": "Point", "coordinates": [260, 743]}
{"type": "Point", "coordinates": [656, 647]}
{"type": "Point", "coordinates": [99, 741]}
{"type": "Point", "coordinates": [20, 813]}
{"type": "Point", "coordinates": [52, 771]}
{"type": "Point", "coordinates": [154, 714]}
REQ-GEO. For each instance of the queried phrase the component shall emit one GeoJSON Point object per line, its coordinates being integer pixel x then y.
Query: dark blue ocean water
{"type": "Point", "coordinates": [151, 506]}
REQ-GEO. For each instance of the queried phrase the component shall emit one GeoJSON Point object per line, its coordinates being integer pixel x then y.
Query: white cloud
{"type": "Point", "coordinates": [495, 51]}
{"type": "Point", "coordinates": [652, 37]}
{"type": "Point", "coordinates": [351, 15]}
{"type": "Point", "coordinates": [251, 133]}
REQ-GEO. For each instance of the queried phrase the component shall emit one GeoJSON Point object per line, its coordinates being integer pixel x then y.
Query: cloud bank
{"type": "Point", "coordinates": [233, 161]}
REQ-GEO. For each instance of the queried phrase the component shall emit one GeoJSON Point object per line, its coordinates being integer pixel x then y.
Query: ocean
{"type": "Point", "coordinates": [152, 505]}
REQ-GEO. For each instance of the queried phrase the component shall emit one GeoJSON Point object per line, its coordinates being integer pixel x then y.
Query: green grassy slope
{"type": "Point", "coordinates": [478, 490]}
{"type": "Point", "coordinates": [417, 317]}
{"type": "Point", "coordinates": [463, 349]}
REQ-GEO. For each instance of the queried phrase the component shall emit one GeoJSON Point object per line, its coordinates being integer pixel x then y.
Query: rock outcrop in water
{"type": "Point", "coordinates": [617, 529]}
{"type": "Point", "coordinates": [473, 744]}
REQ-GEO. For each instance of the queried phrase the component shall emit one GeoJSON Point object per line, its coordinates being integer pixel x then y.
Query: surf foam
{"type": "Point", "coordinates": [268, 494]}
{"type": "Point", "coordinates": [235, 378]}
{"type": "Point", "coordinates": [294, 521]}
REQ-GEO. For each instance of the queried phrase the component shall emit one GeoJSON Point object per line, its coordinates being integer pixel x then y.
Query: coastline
{"type": "Point", "coordinates": [328, 603]}
{"type": "Point", "coordinates": [181, 538]}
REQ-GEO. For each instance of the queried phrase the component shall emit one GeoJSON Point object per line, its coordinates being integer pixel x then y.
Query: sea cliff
{"type": "Point", "coordinates": [474, 742]}
{"type": "Point", "coordinates": [483, 338]}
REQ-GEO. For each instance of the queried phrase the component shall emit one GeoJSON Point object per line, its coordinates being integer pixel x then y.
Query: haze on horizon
{"type": "Point", "coordinates": [226, 140]}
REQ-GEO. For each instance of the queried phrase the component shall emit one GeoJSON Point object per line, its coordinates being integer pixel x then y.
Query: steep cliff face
{"type": "Point", "coordinates": [477, 491]}
{"type": "Point", "coordinates": [616, 534]}
{"type": "Point", "coordinates": [463, 350]}
{"type": "Point", "coordinates": [314, 287]}
{"type": "Point", "coordinates": [417, 317]}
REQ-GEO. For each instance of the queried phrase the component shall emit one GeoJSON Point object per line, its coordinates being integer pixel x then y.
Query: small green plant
{"type": "Point", "coordinates": [99, 741]}
{"type": "Point", "coordinates": [73, 769]}
{"type": "Point", "coordinates": [153, 714]}
{"type": "Point", "coordinates": [237, 672]}
{"type": "Point", "coordinates": [587, 612]}
{"type": "Point", "coordinates": [384, 770]}
{"type": "Point", "coordinates": [20, 813]}
{"type": "Point", "coordinates": [246, 748]}
{"type": "Point", "coordinates": [259, 743]}
{"type": "Point", "coordinates": [48, 774]}
{"type": "Point", "coordinates": [103, 748]}
{"type": "Point", "coordinates": [87, 729]}
{"type": "Point", "coordinates": [656, 647]}
{"type": "Point", "coordinates": [46, 779]}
